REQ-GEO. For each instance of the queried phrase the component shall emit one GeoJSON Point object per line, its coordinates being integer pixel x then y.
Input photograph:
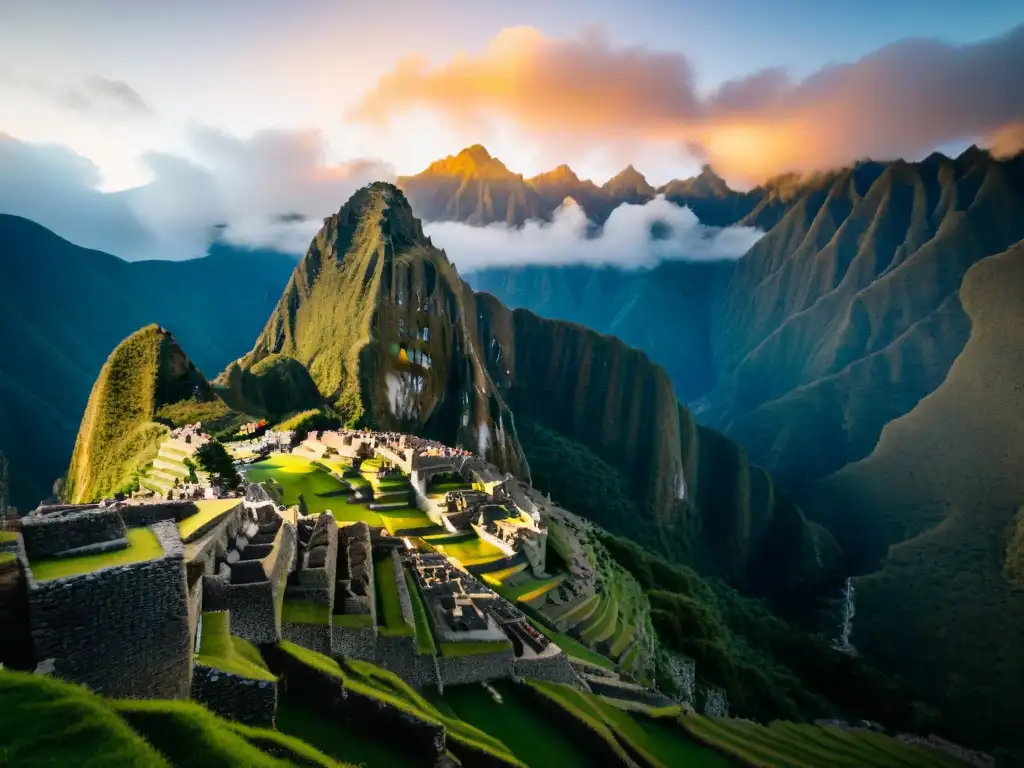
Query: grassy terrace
{"type": "Point", "coordinates": [389, 610]}
{"type": "Point", "coordinates": [530, 589]}
{"type": "Point", "coordinates": [6, 537]}
{"type": "Point", "coordinates": [425, 645]}
{"type": "Point", "coordinates": [6, 557]}
{"type": "Point", "coordinates": [657, 743]}
{"type": "Point", "coordinates": [474, 647]}
{"type": "Point", "coordinates": [306, 612]}
{"type": "Point", "coordinates": [575, 648]}
{"type": "Point", "coordinates": [387, 687]}
{"type": "Point", "coordinates": [321, 490]}
{"type": "Point", "coordinates": [800, 745]}
{"type": "Point", "coordinates": [218, 649]}
{"type": "Point", "coordinates": [352, 620]}
{"type": "Point", "coordinates": [467, 548]}
{"type": "Point", "coordinates": [142, 545]}
{"type": "Point", "coordinates": [209, 510]}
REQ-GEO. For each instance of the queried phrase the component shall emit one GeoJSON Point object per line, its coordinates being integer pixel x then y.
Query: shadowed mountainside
{"type": "Point", "coordinates": [932, 516]}
{"type": "Point", "coordinates": [395, 339]}
{"type": "Point", "coordinates": [63, 308]}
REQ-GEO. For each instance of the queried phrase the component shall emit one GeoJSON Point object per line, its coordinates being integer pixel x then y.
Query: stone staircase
{"type": "Point", "coordinates": [169, 467]}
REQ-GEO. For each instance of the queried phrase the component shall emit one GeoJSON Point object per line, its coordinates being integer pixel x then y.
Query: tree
{"type": "Point", "coordinates": [213, 457]}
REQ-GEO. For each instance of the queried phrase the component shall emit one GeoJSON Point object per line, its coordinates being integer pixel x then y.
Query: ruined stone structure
{"type": "Point", "coordinates": [250, 583]}
{"type": "Point", "coordinates": [122, 631]}
{"type": "Point", "coordinates": [253, 702]}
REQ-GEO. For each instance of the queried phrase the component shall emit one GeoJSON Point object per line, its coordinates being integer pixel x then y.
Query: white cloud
{"type": "Point", "coordinates": [270, 190]}
{"type": "Point", "coordinates": [633, 236]}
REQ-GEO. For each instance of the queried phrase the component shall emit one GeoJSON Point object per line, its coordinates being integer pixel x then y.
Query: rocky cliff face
{"type": "Point", "coordinates": [387, 330]}
{"type": "Point", "coordinates": [393, 337]}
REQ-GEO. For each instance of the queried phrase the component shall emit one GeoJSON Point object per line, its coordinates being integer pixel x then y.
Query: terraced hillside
{"type": "Point", "coordinates": [146, 383]}
{"type": "Point", "coordinates": [169, 468]}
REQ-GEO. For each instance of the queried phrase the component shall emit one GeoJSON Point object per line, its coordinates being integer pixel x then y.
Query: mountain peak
{"type": "Point", "coordinates": [629, 183]}
{"type": "Point", "coordinates": [472, 162]}
{"type": "Point", "coordinates": [562, 175]}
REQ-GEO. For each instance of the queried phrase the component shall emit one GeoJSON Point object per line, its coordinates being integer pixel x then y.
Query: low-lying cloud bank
{"type": "Point", "coordinates": [234, 190]}
{"type": "Point", "coordinates": [633, 236]}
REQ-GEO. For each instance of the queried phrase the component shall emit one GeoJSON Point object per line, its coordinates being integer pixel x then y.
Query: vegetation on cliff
{"type": "Point", "coordinates": [64, 308]}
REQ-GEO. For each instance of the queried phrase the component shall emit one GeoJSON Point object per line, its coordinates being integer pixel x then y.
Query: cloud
{"type": "Point", "coordinates": [93, 94]}
{"type": "Point", "coordinates": [901, 100]}
{"type": "Point", "coordinates": [633, 236]}
{"type": "Point", "coordinates": [271, 190]}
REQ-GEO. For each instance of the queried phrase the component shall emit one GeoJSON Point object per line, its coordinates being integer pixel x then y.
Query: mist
{"type": "Point", "coordinates": [634, 236]}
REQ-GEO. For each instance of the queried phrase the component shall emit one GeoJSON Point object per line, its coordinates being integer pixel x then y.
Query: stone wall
{"type": "Point", "coordinates": [316, 637]}
{"type": "Point", "coordinates": [555, 669]}
{"type": "Point", "coordinates": [475, 668]}
{"type": "Point", "coordinates": [355, 642]}
{"type": "Point", "coordinates": [195, 610]}
{"type": "Point", "coordinates": [51, 535]}
{"type": "Point", "coordinates": [712, 701]}
{"type": "Point", "coordinates": [138, 515]}
{"type": "Point", "coordinates": [122, 631]}
{"type": "Point", "coordinates": [398, 655]}
{"type": "Point", "coordinates": [253, 702]}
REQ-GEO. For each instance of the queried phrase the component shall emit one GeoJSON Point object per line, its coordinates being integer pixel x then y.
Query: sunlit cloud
{"type": "Point", "coordinates": [902, 100]}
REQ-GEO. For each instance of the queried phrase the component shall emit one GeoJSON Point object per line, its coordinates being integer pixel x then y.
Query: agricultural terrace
{"type": "Point", "coordinates": [208, 511]}
{"type": "Point", "coordinates": [384, 686]}
{"type": "Point", "coordinates": [389, 610]}
{"type": "Point", "coordinates": [219, 649]}
{"type": "Point", "coordinates": [142, 545]}
{"type": "Point", "coordinates": [468, 548]}
{"type": "Point", "coordinates": [801, 745]}
{"type": "Point", "coordinates": [658, 742]}
{"type": "Point", "coordinates": [330, 485]}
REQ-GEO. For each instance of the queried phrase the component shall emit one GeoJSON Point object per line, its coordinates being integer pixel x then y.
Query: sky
{"type": "Point", "coordinates": [308, 98]}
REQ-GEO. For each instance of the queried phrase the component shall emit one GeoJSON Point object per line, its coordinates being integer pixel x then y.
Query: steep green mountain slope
{"type": "Point", "coordinates": [146, 384]}
{"type": "Point", "coordinates": [394, 338]}
{"type": "Point", "coordinates": [273, 388]}
{"type": "Point", "coordinates": [63, 308]}
{"type": "Point", "coordinates": [846, 313]}
{"type": "Point", "coordinates": [932, 516]}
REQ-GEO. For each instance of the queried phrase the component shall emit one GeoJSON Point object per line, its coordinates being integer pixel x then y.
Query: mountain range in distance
{"type": "Point", "coordinates": [475, 188]}
{"type": "Point", "coordinates": [838, 353]}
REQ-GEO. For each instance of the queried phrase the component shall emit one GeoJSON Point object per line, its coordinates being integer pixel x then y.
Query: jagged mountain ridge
{"type": "Point", "coordinates": [474, 188]}
{"type": "Point", "coordinates": [392, 336]}
{"type": "Point", "coordinates": [64, 308]}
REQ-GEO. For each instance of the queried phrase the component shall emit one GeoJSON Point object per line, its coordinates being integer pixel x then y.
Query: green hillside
{"type": "Point", "coordinates": [146, 384]}
{"type": "Point", "coordinates": [932, 517]}
{"type": "Point", "coordinates": [275, 387]}
{"type": "Point", "coordinates": [63, 308]}
{"type": "Point", "coordinates": [48, 722]}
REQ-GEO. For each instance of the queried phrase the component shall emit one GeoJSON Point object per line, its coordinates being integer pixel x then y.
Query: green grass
{"type": "Point", "coordinates": [602, 625]}
{"type": "Point", "coordinates": [530, 589]}
{"type": "Point", "coordinates": [319, 488]}
{"type": "Point", "coordinates": [142, 545]}
{"type": "Point", "coordinates": [48, 722]}
{"type": "Point", "coordinates": [370, 680]}
{"type": "Point", "coordinates": [498, 578]}
{"type": "Point", "coordinates": [6, 557]}
{"type": "Point", "coordinates": [580, 612]}
{"type": "Point", "coordinates": [7, 537]}
{"type": "Point", "coordinates": [388, 607]}
{"type": "Point", "coordinates": [209, 510]}
{"type": "Point", "coordinates": [474, 647]}
{"type": "Point", "coordinates": [306, 612]}
{"type": "Point", "coordinates": [352, 620]}
{"type": "Point", "coordinates": [806, 746]}
{"type": "Point", "coordinates": [333, 737]}
{"type": "Point", "coordinates": [469, 550]}
{"type": "Point", "coordinates": [218, 649]}
{"type": "Point", "coordinates": [425, 645]}
{"type": "Point", "coordinates": [573, 702]}
{"type": "Point", "coordinates": [531, 736]}
{"type": "Point", "coordinates": [405, 519]}
{"type": "Point", "coordinates": [664, 741]}
{"type": "Point", "coordinates": [190, 735]}
{"type": "Point", "coordinates": [574, 647]}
